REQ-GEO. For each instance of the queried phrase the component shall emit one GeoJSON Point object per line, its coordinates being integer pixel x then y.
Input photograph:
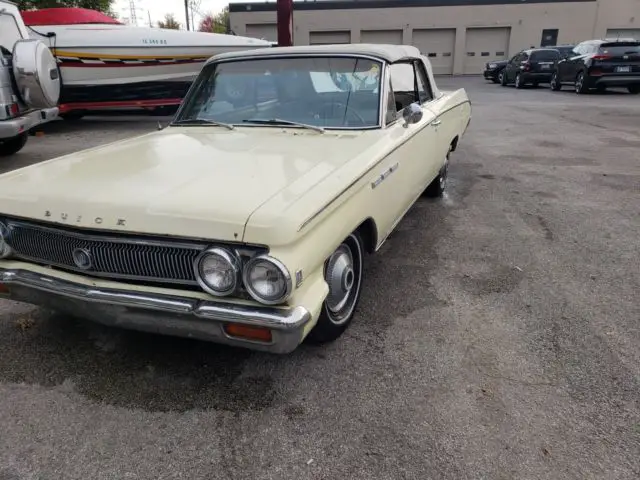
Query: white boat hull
{"type": "Point", "coordinates": [115, 66]}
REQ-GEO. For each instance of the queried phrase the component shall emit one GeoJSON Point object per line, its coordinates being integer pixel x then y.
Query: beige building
{"type": "Point", "coordinates": [459, 36]}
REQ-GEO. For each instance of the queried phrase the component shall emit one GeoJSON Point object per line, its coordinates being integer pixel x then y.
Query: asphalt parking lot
{"type": "Point", "coordinates": [498, 336]}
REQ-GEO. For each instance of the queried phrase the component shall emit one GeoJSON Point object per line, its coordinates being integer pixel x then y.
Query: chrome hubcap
{"type": "Point", "coordinates": [340, 277]}
{"type": "Point", "coordinates": [579, 83]}
{"type": "Point", "coordinates": [443, 173]}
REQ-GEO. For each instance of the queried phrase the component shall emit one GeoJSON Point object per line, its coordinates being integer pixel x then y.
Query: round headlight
{"type": "Point", "coordinates": [267, 280]}
{"type": "Point", "coordinates": [218, 271]}
{"type": "Point", "coordinates": [5, 249]}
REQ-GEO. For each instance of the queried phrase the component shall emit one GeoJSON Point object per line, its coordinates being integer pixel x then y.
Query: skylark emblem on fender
{"type": "Point", "coordinates": [82, 258]}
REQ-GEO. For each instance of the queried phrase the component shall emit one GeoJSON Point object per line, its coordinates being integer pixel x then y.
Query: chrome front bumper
{"type": "Point", "coordinates": [157, 313]}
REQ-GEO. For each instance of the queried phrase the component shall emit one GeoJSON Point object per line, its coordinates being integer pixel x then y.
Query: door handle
{"type": "Point", "coordinates": [436, 122]}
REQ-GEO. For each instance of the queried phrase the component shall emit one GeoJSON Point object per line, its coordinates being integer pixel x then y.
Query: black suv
{"type": "Point", "coordinates": [532, 66]}
{"type": "Point", "coordinates": [598, 64]}
{"type": "Point", "coordinates": [492, 70]}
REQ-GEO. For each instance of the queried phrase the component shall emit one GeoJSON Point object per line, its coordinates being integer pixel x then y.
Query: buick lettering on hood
{"type": "Point", "coordinates": [247, 220]}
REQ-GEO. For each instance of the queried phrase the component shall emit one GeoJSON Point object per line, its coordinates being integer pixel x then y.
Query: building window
{"type": "Point", "coordinates": [549, 37]}
{"type": "Point", "coordinates": [500, 54]}
{"type": "Point", "coordinates": [485, 54]}
{"type": "Point", "coordinates": [432, 54]}
{"type": "Point", "coordinates": [446, 54]}
{"type": "Point", "coordinates": [471, 54]}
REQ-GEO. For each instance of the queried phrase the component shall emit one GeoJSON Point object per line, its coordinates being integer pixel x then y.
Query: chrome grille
{"type": "Point", "coordinates": [110, 257]}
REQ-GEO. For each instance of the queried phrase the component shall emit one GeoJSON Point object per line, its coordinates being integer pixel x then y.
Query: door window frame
{"type": "Point", "coordinates": [419, 70]}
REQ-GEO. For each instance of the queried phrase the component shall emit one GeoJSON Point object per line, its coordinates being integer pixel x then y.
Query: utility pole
{"type": "Point", "coordinates": [186, 12]}
{"type": "Point", "coordinates": [132, 8]}
{"type": "Point", "coordinates": [285, 23]}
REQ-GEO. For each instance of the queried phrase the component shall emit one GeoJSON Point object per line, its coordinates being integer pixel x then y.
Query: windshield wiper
{"type": "Point", "coordinates": [279, 121]}
{"type": "Point", "coordinates": [202, 121]}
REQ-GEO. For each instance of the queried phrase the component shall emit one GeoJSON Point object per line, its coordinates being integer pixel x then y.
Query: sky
{"type": "Point", "coordinates": [158, 8]}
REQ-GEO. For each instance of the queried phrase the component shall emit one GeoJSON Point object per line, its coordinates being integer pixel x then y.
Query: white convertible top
{"type": "Point", "coordinates": [389, 53]}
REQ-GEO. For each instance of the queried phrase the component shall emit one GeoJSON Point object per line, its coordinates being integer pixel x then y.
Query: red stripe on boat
{"type": "Point", "coordinates": [67, 107]}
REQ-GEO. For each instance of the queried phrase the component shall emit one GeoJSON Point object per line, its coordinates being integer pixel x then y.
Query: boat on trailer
{"type": "Point", "coordinates": [105, 64]}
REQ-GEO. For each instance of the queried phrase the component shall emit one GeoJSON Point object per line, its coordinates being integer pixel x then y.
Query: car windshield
{"type": "Point", "coordinates": [564, 51]}
{"type": "Point", "coordinates": [325, 92]}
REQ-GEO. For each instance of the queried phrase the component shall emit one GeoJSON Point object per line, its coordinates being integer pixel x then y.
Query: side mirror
{"type": "Point", "coordinates": [412, 114]}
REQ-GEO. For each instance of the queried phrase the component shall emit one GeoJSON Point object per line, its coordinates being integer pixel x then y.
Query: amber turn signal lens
{"type": "Point", "coordinates": [248, 332]}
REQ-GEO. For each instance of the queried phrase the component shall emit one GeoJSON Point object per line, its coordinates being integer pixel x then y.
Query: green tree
{"type": "Point", "coordinates": [218, 23]}
{"type": "Point", "coordinates": [101, 5]}
{"type": "Point", "coordinates": [169, 22]}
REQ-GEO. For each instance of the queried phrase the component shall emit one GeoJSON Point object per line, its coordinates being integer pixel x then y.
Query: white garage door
{"type": "Point", "coordinates": [624, 33]}
{"type": "Point", "coordinates": [438, 44]}
{"type": "Point", "coordinates": [328, 38]}
{"type": "Point", "coordinates": [482, 45]}
{"type": "Point", "coordinates": [266, 31]}
{"type": "Point", "coordinates": [393, 37]}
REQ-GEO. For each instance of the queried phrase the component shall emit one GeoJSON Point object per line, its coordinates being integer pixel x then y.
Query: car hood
{"type": "Point", "coordinates": [199, 182]}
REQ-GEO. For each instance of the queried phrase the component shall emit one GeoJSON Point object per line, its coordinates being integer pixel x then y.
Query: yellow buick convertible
{"type": "Point", "coordinates": [246, 220]}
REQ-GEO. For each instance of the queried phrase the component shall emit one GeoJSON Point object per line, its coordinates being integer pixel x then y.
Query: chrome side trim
{"type": "Point", "coordinates": [366, 172]}
{"type": "Point", "coordinates": [384, 175]}
{"type": "Point", "coordinates": [274, 318]}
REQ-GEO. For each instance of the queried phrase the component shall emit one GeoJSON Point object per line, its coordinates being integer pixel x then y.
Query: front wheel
{"type": "Point", "coordinates": [555, 84]}
{"type": "Point", "coordinates": [13, 145]}
{"type": "Point", "coordinates": [343, 274]}
{"type": "Point", "coordinates": [502, 78]}
{"type": "Point", "coordinates": [439, 184]}
{"type": "Point", "coordinates": [519, 82]}
{"type": "Point", "coordinates": [634, 89]}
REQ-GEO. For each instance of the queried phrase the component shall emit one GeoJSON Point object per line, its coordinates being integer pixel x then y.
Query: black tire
{"type": "Point", "coordinates": [580, 84]}
{"type": "Point", "coordinates": [164, 111]}
{"type": "Point", "coordinates": [634, 89]}
{"type": "Point", "coordinates": [439, 184]}
{"type": "Point", "coordinates": [13, 145]}
{"type": "Point", "coordinates": [72, 116]}
{"type": "Point", "coordinates": [343, 273]}
{"type": "Point", "coordinates": [502, 78]}
{"type": "Point", "coordinates": [535, 84]}
{"type": "Point", "coordinates": [519, 83]}
{"type": "Point", "coordinates": [554, 83]}
{"type": "Point", "coordinates": [495, 80]}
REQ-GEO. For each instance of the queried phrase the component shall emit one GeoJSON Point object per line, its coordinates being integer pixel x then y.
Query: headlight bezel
{"type": "Point", "coordinates": [5, 249]}
{"type": "Point", "coordinates": [281, 267]}
{"type": "Point", "coordinates": [231, 258]}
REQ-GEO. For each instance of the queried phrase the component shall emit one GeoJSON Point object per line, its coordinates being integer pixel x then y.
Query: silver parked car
{"type": "Point", "coordinates": [29, 81]}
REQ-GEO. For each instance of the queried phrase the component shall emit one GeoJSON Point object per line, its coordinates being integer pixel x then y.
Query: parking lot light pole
{"type": "Point", "coordinates": [186, 12]}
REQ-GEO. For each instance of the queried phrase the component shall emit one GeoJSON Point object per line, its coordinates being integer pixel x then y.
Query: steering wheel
{"type": "Point", "coordinates": [344, 107]}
